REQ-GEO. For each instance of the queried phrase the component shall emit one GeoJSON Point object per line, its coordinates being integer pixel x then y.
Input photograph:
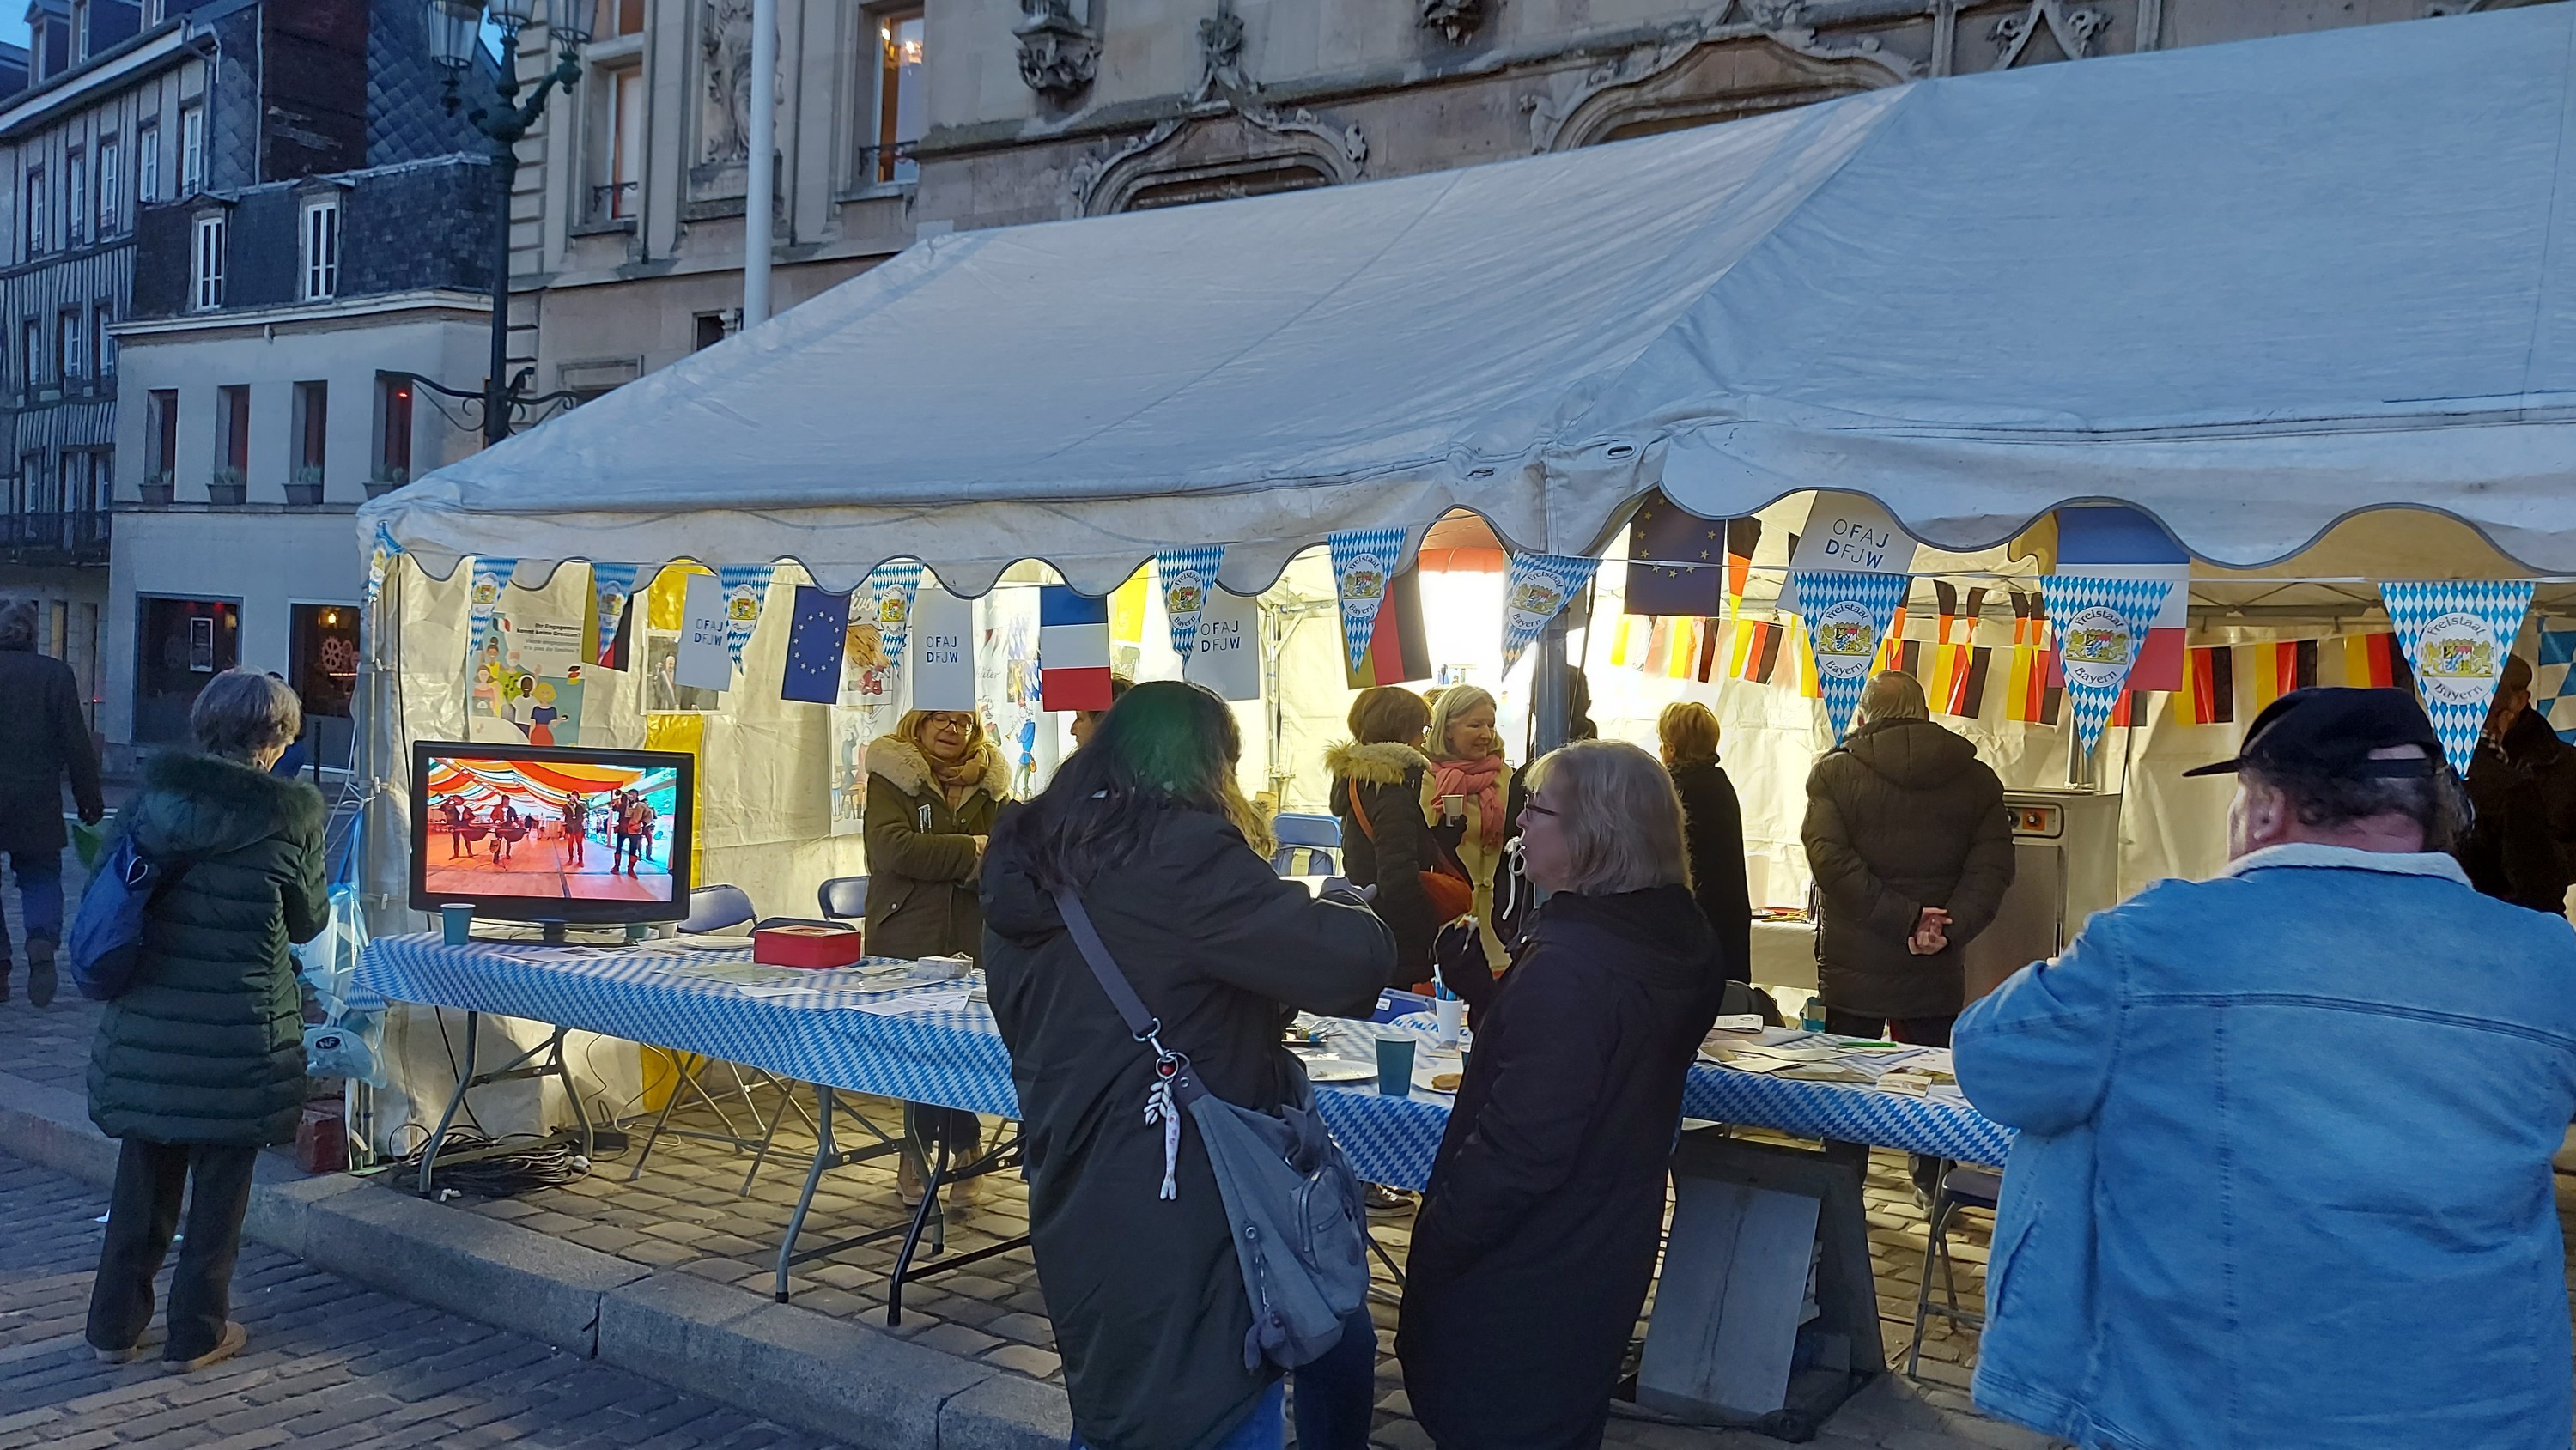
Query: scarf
{"type": "Point", "coordinates": [957, 777]}
{"type": "Point", "coordinates": [1479, 781]}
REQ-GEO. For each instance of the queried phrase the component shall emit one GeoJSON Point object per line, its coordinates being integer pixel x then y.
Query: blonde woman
{"type": "Point", "coordinates": [1538, 1234]}
{"type": "Point", "coordinates": [1468, 772]}
{"type": "Point", "coordinates": [1713, 827]}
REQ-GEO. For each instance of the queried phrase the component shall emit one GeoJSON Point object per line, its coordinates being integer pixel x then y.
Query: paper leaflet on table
{"type": "Point", "coordinates": [1363, 561]}
{"type": "Point", "coordinates": [612, 593]}
{"type": "Point", "coordinates": [1186, 576]}
{"type": "Point", "coordinates": [2101, 623]}
{"type": "Point", "coordinates": [1536, 591]}
{"type": "Point", "coordinates": [1072, 649]}
{"type": "Point", "coordinates": [1846, 615]}
{"type": "Point", "coordinates": [2456, 634]}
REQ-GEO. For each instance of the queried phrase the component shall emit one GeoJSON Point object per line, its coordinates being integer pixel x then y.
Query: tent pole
{"type": "Point", "coordinates": [1550, 710]}
{"type": "Point", "coordinates": [760, 164]}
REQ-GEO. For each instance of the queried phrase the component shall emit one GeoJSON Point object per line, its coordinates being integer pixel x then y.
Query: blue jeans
{"type": "Point", "coordinates": [1335, 1396]}
{"type": "Point", "coordinates": [40, 893]}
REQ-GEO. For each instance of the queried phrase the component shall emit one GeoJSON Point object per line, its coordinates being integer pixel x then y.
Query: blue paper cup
{"type": "Point", "coordinates": [457, 918]}
{"type": "Point", "coordinates": [1395, 1066]}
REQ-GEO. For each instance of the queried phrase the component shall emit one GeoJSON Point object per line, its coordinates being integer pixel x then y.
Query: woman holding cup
{"type": "Point", "coordinates": [1538, 1233]}
{"type": "Point", "coordinates": [1472, 798]}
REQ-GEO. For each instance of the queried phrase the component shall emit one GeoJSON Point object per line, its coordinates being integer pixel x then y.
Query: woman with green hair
{"type": "Point", "coordinates": [1147, 824]}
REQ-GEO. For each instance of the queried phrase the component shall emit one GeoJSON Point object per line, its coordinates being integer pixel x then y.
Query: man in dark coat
{"type": "Point", "coordinates": [2521, 845]}
{"type": "Point", "coordinates": [43, 738]}
{"type": "Point", "coordinates": [1912, 854]}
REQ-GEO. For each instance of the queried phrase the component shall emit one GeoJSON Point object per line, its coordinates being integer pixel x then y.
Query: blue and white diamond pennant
{"type": "Point", "coordinates": [2101, 623]}
{"type": "Point", "coordinates": [1186, 575]}
{"type": "Point", "coordinates": [1847, 615]}
{"type": "Point", "coordinates": [745, 586]}
{"type": "Point", "coordinates": [2456, 634]}
{"type": "Point", "coordinates": [1536, 591]}
{"type": "Point", "coordinates": [1364, 562]}
{"type": "Point", "coordinates": [2553, 684]}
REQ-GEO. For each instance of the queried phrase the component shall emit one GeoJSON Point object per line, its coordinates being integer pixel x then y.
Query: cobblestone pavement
{"type": "Point", "coordinates": [329, 1364]}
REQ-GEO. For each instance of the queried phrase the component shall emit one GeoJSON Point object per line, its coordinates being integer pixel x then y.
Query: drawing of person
{"type": "Point", "coordinates": [542, 714]}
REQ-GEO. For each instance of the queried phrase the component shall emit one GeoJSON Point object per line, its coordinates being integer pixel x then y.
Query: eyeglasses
{"type": "Point", "coordinates": [1531, 807]}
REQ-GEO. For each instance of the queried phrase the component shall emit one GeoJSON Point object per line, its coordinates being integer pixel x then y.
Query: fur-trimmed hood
{"type": "Point", "coordinates": [203, 805]}
{"type": "Point", "coordinates": [898, 761]}
{"type": "Point", "coordinates": [1386, 762]}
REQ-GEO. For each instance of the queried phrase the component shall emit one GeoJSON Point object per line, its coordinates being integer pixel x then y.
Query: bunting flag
{"type": "Point", "coordinates": [1677, 561]}
{"type": "Point", "coordinates": [887, 603]}
{"type": "Point", "coordinates": [1399, 650]}
{"type": "Point", "coordinates": [2115, 541]}
{"type": "Point", "coordinates": [1802, 657]}
{"type": "Point", "coordinates": [1186, 575]}
{"type": "Point", "coordinates": [1742, 537]}
{"type": "Point", "coordinates": [2034, 693]}
{"type": "Point", "coordinates": [2101, 623]}
{"type": "Point", "coordinates": [2455, 634]}
{"type": "Point", "coordinates": [1955, 617]}
{"type": "Point", "coordinates": [381, 553]}
{"type": "Point", "coordinates": [942, 671]}
{"type": "Point", "coordinates": [612, 593]}
{"type": "Point", "coordinates": [817, 638]}
{"type": "Point", "coordinates": [1073, 649]}
{"type": "Point", "coordinates": [704, 622]}
{"type": "Point", "coordinates": [1893, 643]}
{"type": "Point", "coordinates": [745, 587]}
{"type": "Point", "coordinates": [1846, 615]}
{"type": "Point", "coordinates": [1364, 560]}
{"type": "Point", "coordinates": [1753, 650]}
{"type": "Point", "coordinates": [2553, 684]}
{"type": "Point", "coordinates": [1965, 690]}
{"type": "Point", "coordinates": [2370, 661]}
{"type": "Point", "coordinates": [2030, 617]}
{"type": "Point", "coordinates": [2208, 692]}
{"type": "Point", "coordinates": [1536, 591]}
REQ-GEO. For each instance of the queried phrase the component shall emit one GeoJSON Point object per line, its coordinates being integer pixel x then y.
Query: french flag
{"type": "Point", "coordinates": [2113, 541]}
{"type": "Point", "coordinates": [1073, 650]}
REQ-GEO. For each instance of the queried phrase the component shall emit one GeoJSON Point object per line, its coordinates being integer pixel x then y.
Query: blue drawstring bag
{"type": "Point", "coordinates": [105, 947]}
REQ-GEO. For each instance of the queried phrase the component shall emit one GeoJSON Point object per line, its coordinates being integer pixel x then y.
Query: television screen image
{"type": "Point", "coordinates": [575, 834]}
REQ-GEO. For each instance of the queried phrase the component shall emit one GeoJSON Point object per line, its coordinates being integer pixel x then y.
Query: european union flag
{"type": "Point", "coordinates": [816, 637]}
{"type": "Point", "coordinates": [1663, 535]}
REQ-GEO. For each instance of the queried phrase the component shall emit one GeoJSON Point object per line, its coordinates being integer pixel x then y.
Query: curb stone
{"type": "Point", "coordinates": [846, 1380]}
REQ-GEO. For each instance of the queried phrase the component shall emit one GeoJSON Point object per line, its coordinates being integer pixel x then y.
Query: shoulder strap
{"type": "Point", "coordinates": [1359, 812]}
{"type": "Point", "coordinates": [1141, 1025]}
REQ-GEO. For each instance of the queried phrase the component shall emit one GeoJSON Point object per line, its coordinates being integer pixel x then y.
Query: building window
{"type": "Point", "coordinates": [185, 642]}
{"type": "Point", "coordinates": [80, 31]}
{"type": "Point", "coordinates": [76, 196]}
{"type": "Point", "coordinates": [35, 210]}
{"type": "Point", "coordinates": [619, 18]}
{"type": "Point", "coordinates": [615, 144]}
{"type": "Point", "coordinates": [206, 271]}
{"type": "Point", "coordinates": [161, 436]}
{"type": "Point", "coordinates": [102, 344]}
{"type": "Point", "coordinates": [321, 248]}
{"type": "Point", "coordinates": [111, 181]}
{"type": "Point", "coordinates": [232, 438]}
{"type": "Point", "coordinates": [312, 429]}
{"type": "Point", "coordinates": [393, 428]}
{"type": "Point", "coordinates": [192, 150]}
{"type": "Point", "coordinates": [67, 335]}
{"type": "Point", "coordinates": [147, 164]}
{"type": "Point", "coordinates": [899, 110]}
{"type": "Point", "coordinates": [31, 354]}
{"type": "Point", "coordinates": [711, 330]}
{"type": "Point", "coordinates": [35, 50]}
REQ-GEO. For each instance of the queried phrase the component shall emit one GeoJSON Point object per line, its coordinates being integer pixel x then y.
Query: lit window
{"type": "Point", "coordinates": [321, 248]}
{"type": "Point", "coordinates": [192, 150]}
{"type": "Point", "coordinates": [899, 100]}
{"type": "Point", "coordinates": [206, 271]}
{"type": "Point", "coordinates": [393, 429]}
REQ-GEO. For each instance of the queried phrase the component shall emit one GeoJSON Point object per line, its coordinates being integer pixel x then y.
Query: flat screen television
{"type": "Point", "coordinates": [551, 833]}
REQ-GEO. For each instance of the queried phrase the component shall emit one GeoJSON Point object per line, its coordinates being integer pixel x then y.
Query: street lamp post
{"type": "Point", "coordinates": [455, 37]}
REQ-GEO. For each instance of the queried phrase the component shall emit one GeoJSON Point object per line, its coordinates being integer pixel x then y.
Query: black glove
{"type": "Point", "coordinates": [1459, 950]}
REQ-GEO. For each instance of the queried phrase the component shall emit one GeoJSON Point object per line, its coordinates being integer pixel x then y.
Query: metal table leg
{"type": "Point", "coordinates": [516, 1070]}
{"type": "Point", "coordinates": [455, 1100]}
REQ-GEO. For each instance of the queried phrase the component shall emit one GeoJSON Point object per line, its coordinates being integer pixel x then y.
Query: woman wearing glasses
{"type": "Point", "coordinates": [1538, 1234]}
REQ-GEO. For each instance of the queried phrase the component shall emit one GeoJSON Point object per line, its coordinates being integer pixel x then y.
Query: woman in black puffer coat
{"type": "Point", "coordinates": [200, 1064]}
{"type": "Point", "coordinates": [1377, 795]}
{"type": "Point", "coordinates": [1538, 1234]}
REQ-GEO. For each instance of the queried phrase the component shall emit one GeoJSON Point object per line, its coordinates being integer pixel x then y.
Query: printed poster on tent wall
{"type": "Point", "coordinates": [2456, 634]}
{"type": "Point", "coordinates": [530, 656]}
{"type": "Point", "coordinates": [847, 769]}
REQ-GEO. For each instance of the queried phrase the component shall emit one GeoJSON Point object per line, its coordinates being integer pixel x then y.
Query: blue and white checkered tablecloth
{"type": "Point", "coordinates": [657, 993]}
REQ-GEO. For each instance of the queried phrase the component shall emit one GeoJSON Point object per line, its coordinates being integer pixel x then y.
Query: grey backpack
{"type": "Point", "coordinates": [1300, 1234]}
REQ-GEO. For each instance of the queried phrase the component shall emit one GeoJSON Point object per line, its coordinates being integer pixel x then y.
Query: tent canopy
{"type": "Point", "coordinates": [2252, 288]}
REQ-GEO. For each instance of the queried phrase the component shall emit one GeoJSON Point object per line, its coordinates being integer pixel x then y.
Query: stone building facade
{"type": "Point", "coordinates": [905, 119]}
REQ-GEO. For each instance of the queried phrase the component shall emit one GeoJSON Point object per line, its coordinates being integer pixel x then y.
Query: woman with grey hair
{"type": "Point", "coordinates": [200, 1063]}
{"type": "Point", "coordinates": [1538, 1234]}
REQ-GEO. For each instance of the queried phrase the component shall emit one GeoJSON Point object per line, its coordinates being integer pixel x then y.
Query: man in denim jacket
{"type": "Point", "coordinates": [2283, 1178]}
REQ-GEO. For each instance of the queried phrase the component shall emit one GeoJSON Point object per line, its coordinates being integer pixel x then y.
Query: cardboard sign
{"type": "Point", "coordinates": [1225, 650]}
{"type": "Point", "coordinates": [704, 660]}
{"type": "Point", "coordinates": [943, 646]}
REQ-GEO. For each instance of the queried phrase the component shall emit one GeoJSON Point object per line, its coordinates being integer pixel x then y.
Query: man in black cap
{"type": "Point", "coordinates": [2521, 842]}
{"type": "Point", "coordinates": [2283, 1172]}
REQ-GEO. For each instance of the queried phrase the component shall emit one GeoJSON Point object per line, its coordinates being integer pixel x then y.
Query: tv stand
{"type": "Point", "coordinates": [553, 929]}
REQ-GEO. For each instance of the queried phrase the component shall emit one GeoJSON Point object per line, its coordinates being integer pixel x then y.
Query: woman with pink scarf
{"type": "Point", "coordinates": [1467, 764]}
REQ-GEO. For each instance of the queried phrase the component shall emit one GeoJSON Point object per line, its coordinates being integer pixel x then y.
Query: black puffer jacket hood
{"type": "Point", "coordinates": [1915, 754]}
{"type": "Point", "coordinates": [199, 805]}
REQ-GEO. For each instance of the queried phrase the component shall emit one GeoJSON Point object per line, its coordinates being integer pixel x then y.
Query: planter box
{"type": "Point", "coordinates": [227, 493]}
{"type": "Point", "coordinates": [158, 495]}
{"type": "Point", "coordinates": [303, 495]}
{"type": "Point", "coordinates": [378, 488]}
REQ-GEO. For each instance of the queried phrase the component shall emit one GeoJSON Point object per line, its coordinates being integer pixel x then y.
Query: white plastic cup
{"type": "Point", "coordinates": [1453, 1019]}
{"type": "Point", "coordinates": [1453, 808]}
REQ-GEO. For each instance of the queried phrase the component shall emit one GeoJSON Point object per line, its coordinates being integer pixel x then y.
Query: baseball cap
{"type": "Point", "coordinates": [2331, 731]}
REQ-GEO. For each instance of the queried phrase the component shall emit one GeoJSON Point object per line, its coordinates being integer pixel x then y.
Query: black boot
{"type": "Point", "coordinates": [40, 972]}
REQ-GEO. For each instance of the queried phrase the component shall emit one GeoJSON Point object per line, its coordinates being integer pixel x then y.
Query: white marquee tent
{"type": "Point", "coordinates": [2252, 288]}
